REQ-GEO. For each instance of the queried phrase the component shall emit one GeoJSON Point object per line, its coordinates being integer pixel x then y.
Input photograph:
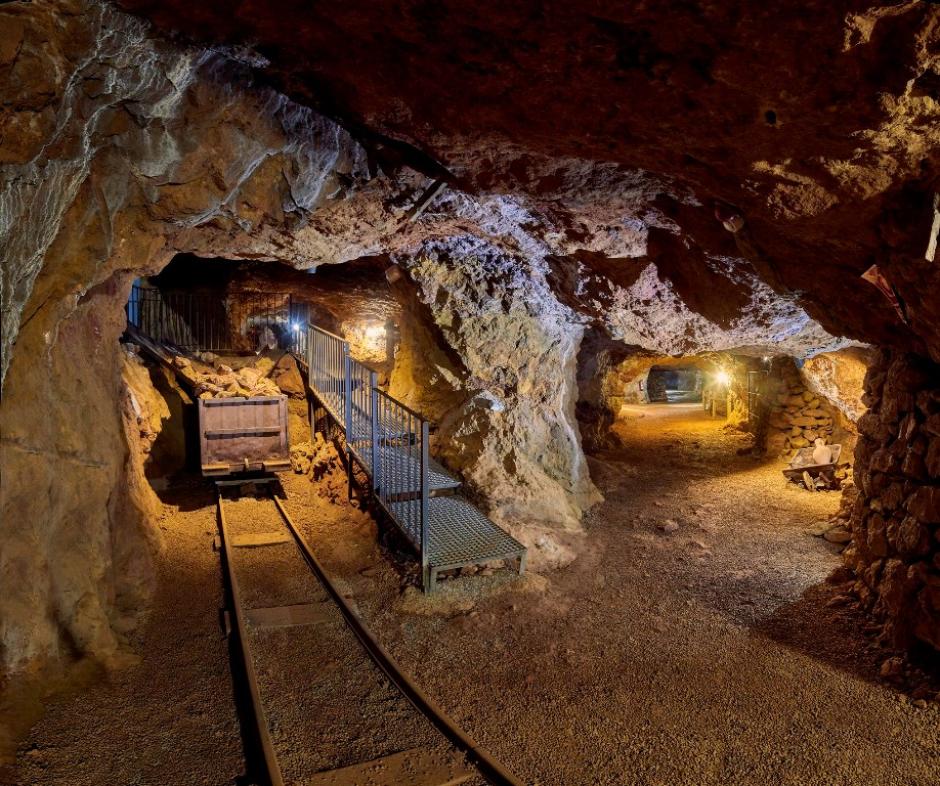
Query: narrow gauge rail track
{"type": "Point", "coordinates": [330, 705]}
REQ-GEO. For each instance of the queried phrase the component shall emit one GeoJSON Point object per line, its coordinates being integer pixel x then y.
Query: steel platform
{"type": "Point", "coordinates": [459, 535]}
{"type": "Point", "coordinates": [416, 492]}
{"type": "Point", "coordinates": [404, 467]}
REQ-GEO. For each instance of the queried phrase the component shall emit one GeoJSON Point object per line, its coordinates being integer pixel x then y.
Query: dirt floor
{"type": "Point", "coordinates": [694, 641]}
{"type": "Point", "coordinates": [170, 719]}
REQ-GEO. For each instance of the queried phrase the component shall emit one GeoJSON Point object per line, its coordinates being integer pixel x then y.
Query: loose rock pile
{"type": "Point", "coordinates": [225, 382]}
{"type": "Point", "coordinates": [800, 417]}
{"type": "Point", "coordinates": [321, 462]}
{"type": "Point", "coordinates": [307, 456]}
{"type": "Point", "coordinates": [895, 552]}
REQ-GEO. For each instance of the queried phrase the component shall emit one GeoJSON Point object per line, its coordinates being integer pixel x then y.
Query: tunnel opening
{"type": "Point", "coordinates": [324, 354]}
{"type": "Point", "coordinates": [679, 385]}
{"type": "Point", "coordinates": [217, 328]}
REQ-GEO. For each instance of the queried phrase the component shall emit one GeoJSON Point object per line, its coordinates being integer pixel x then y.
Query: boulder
{"type": "Point", "coordinates": [924, 504]}
{"type": "Point", "coordinates": [287, 377]}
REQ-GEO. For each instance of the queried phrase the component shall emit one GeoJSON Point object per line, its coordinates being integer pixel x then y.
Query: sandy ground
{"type": "Point", "coordinates": [170, 719]}
{"type": "Point", "coordinates": [694, 640]}
{"type": "Point", "coordinates": [706, 655]}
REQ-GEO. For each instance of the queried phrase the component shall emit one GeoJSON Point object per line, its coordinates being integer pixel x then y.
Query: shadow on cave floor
{"type": "Point", "coordinates": [690, 641]}
{"type": "Point", "coordinates": [186, 491]}
{"type": "Point", "coordinates": [679, 479]}
{"type": "Point", "coordinates": [170, 718]}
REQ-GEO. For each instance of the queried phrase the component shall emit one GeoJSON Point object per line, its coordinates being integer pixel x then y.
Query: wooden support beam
{"type": "Point", "coordinates": [423, 201]}
{"type": "Point", "coordinates": [416, 767]}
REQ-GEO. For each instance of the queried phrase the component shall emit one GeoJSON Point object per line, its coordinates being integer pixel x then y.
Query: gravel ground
{"type": "Point", "coordinates": [328, 706]}
{"type": "Point", "coordinates": [694, 641]}
{"type": "Point", "coordinates": [171, 718]}
{"type": "Point", "coordinates": [714, 653]}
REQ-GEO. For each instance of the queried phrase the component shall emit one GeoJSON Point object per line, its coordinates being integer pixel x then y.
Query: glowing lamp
{"type": "Point", "coordinates": [723, 378]}
{"type": "Point", "coordinates": [295, 327]}
{"type": "Point", "coordinates": [374, 332]}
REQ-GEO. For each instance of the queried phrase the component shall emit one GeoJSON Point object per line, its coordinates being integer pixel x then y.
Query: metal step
{"type": "Point", "coordinates": [404, 466]}
{"type": "Point", "coordinates": [459, 534]}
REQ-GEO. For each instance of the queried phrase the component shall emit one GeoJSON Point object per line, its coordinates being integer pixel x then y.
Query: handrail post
{"type": "Point", "coordinates": [374, 409]}
{"type": "Point", "coordinates": [425, 574]}
{"type": "Point", "coordinates": [347, 416]}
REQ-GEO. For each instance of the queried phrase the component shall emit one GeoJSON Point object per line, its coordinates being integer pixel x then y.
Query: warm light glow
{"type": "Point", "coordinates": [722, 377]}
{"type": "Point", "coordinates": [374, 332]}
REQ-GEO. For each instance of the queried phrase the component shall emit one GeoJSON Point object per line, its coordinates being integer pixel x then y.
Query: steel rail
{"type": "Point", "coordinates": [267, 744]}
{"type": "Point", "coordinates": [485, 762]}
{"type": "Point", "coordinates": [325, 332]}
{"type": "Point", "coordinates": [398, 404]}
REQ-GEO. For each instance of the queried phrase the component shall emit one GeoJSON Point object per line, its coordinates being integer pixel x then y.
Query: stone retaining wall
{"type": "Point", "coordinates": [799, 417]}
{"type": "Point", "coordinates": [895, 553]}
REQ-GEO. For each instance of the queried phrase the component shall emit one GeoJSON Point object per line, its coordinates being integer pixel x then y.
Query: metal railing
{"type": "Point", "coordinates": [402, 480]}
{"type": "Point", "coordinates": [359, 423]}
{"type": "Point", "coordinates": [238, 321]}
{"type": "Point", "coordinates": [326, 363]}
{"type": "Point", "coordinates": [386, 438]}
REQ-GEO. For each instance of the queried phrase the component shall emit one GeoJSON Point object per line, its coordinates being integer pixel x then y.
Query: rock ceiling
{"type": "Point", "coordinates": [621, 131]}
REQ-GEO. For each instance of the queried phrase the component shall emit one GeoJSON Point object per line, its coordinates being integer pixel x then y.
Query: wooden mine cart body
{"type": "Point", "coordinates": [243, 435]}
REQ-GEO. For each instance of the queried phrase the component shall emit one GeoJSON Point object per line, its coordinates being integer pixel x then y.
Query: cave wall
{"type": "Point", "coordinates": [509, 426]}
{"type": "Point", "coordinates": [840, 378]}
{"type": "Point", "coordinates": [120, 149]}
{"type": "Point", "coordinates": [895, 522]}
{"type": "Point", "coordinates": [76, 515]}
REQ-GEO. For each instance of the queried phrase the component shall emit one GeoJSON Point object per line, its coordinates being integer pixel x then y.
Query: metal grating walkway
{"type": "Point", "coordinates": [404, 469]}
{"type": "Point", "coordinates": [461, 535]}
{"type": "Point", "coordinates": [415, 491]}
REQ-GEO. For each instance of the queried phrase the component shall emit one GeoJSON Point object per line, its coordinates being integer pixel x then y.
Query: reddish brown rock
{"type": "Point", "coordinates": [924, 504]}
{"type": "Point", "coordinates": [287, 377]}
{"type": "Point", "coordinates": [891, 469]}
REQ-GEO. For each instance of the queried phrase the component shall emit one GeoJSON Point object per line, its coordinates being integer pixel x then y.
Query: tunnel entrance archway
{"type": "Point", "coordinates": [674, 385]}
{"type": "Point", "coordinates": [231, 327]}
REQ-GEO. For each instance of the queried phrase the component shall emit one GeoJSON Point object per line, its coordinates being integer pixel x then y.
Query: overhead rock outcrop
{"type": "Point", "coordinates": [840, 377]}
{"type": "Point", "coordinates": [513, 435]}
{"type": "Point", "coordinates": [820, 158]}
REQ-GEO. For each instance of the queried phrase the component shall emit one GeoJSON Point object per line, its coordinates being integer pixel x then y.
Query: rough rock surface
{"type": "Point", "coordinates": [818, 129]}
{"type": "Point", "coordinates": [225, 382]}
{"type": "Point", "coordinates": [895, 551]}
{"type": "Point", "coordinates": [121, 148]}
{"type": "Point", "coordinates": [798, 416]}
{"type": "Point", "coordinates": [840, 377]}
{"type": "Point", "coordinates": [514, 436]}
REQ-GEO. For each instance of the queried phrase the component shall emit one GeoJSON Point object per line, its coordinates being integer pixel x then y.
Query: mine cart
{"type": "Point", "coordinates": [243, 435]}
{"type": "Point", "coordinates": [803, 468]}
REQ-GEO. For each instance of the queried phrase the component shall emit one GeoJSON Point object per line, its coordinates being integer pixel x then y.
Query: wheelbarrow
{"type": "Point", "coordinates": [803, 469]}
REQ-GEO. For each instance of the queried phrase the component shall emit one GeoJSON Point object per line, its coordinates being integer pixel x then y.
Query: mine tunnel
{"type": "Point", "coordinates": [521, 394]}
